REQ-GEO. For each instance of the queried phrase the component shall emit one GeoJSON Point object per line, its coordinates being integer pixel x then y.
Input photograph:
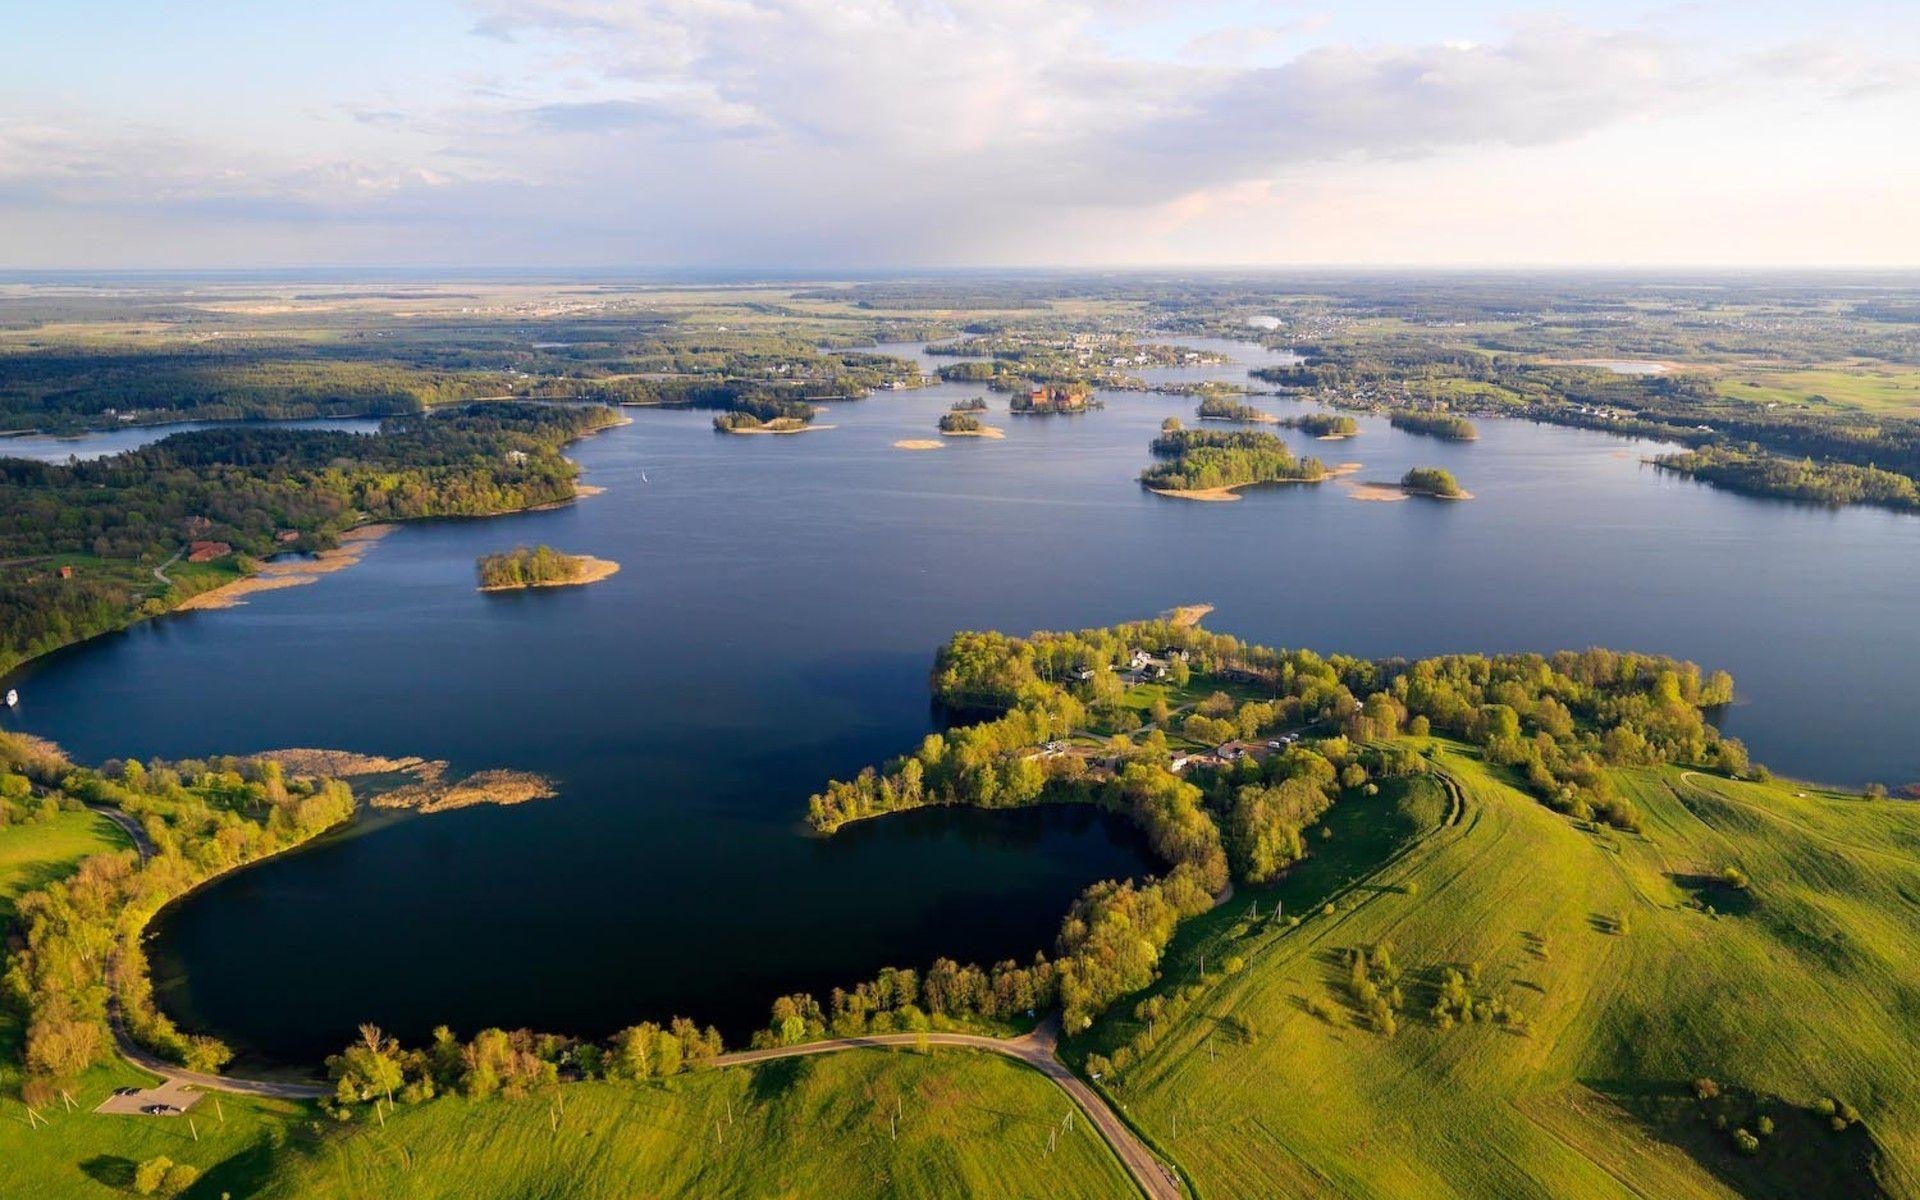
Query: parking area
{"type": "Point", "coordinates": [173, 1092]}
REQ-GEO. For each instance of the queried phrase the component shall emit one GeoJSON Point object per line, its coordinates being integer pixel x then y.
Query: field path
{"type": "Point", "coordinates": [1035, 1049]}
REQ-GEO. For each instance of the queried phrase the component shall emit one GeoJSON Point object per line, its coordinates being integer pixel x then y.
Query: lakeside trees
{"type": "Point", "coordinates": [1449, 426]}
{"type": "Point", "coordinates": [960, 422]}
{"type": "Point", "coordinates": [1758, 473]}
{"type": "Point", "coordinates": [80, 937]}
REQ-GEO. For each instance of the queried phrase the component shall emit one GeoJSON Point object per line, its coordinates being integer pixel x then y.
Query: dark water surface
{"type": "Point", "coordinates": [772, 626]}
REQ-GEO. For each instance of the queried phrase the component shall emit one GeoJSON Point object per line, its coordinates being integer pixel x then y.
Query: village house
{"type": "Point", "coordinates": [199, 552]}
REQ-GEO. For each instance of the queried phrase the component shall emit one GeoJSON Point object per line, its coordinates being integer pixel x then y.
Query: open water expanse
{"type": "Point", "coordinates": [772, 626]}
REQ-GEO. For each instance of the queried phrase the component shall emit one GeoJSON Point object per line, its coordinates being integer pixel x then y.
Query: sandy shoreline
{"type": "Point", "coordinates": [1220, 495]}
{"type": "Point", "coordinates": [592, 570]}
{"type": "Point", "coordinates": [427, 790]}
{"type": "Point", "coordinates": [1188, 615]}
{"type": "Point", "coordinates": [768, 429]}
{"type": "Point", "coordinates": [290, 572]}
{"type": "Point", "coordinates": [918, 444]}
{"type": "Point", "coordinates": [985, 431]}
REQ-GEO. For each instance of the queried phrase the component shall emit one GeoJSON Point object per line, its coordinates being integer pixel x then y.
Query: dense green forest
{"type": "Point", "coordinates": [959, 422]}
{"type": "Point", "coordinates": [1199, 459]}
{"type": "Point", "coordinates": [80, 541]}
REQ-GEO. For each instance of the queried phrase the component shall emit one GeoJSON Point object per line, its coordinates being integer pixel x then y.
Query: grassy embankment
{"type": "Point", "coordinates": [1802, 986]}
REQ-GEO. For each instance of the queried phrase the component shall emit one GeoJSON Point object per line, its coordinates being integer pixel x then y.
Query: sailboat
{"type": "Point", "coordinates": [13, 698]}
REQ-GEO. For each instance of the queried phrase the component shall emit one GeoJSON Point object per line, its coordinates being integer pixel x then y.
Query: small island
{"type": "Point", "coordinates": [1327, 427]}
{"type": "Point", "coordinates": [1444, 425]}
{"type": "Point", "coordinates": [539, 566]}
{"type": "Point", "coordinates": [1434, 482]}
{"type": "Point", "coordinates": [1049, 399]}
{"type": "Point", "coordinates": [1221, 408]}
{"type": "Point", "coordinates": [1209, 464]}
{"type": "Point", "coordinates": [965, 424]}
{"type": "Point", "coordinates": [746, 422]}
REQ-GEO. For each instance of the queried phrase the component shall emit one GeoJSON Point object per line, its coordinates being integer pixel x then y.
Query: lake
{"type": "Point", "coordinates": [47, 447]}
{"type": "Point", "coordinates": [777, 611]}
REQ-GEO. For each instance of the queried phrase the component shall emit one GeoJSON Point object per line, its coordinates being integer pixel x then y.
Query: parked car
{"type": "Point", "coordinates": [160, 1110]}
{"type": "Point", "coordinates": [126, 1091]}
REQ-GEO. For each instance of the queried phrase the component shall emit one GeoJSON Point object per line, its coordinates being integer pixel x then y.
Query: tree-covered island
{"type": "Point", "coordinates": [1448, 426]}
{"type": "Point", "coordinates": [1435, 482]}
{"type": "Point", "coordinates": [539, 566]}
{"type": "Point", "coordinates": [1210, 463]}
{"type": "Point", "coordinates": [1223, 408]}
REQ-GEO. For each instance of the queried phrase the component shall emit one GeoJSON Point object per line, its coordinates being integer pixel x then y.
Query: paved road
{"type": "Point", "coordinates": [175, 1078]}
{"type": "Point", "coordinates": [126, 821]}
{"type": "Point", "coordinates": [1036, 1049]}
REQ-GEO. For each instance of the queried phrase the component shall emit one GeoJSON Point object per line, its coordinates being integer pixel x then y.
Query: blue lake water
{"type": "Point", "coordinates": [772, 626]}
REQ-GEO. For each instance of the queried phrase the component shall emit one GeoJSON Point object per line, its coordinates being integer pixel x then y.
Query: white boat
{"type": "Point", "coordinates": [13, 698]}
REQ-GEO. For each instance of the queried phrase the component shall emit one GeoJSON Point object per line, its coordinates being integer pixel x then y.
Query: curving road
{"type": "Point", "coordinates": [1035, 1049]}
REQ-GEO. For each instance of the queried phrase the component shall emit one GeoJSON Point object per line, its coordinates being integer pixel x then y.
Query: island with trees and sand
{"type": "Point", "coordinates": [1434, 482]}
{"type": "Point", "coordinates": [966, 424]}
{"type": "Point", "coordinates": [1203, 464]}
{"type": "Point", "coordinates": [1328, 427]}
{"type": "Point", "coordinates": [538, 567]}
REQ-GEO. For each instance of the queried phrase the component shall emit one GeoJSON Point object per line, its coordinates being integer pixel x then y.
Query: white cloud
{"type": "Point", "coordinates": [887, 131]}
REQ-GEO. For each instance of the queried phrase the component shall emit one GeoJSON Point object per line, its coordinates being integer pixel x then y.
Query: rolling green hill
{"type": "Point", "coordinates": [1631, 968]}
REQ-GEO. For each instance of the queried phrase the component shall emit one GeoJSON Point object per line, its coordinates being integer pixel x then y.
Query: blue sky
{"type": "Point", "coordinates": [612, 133]}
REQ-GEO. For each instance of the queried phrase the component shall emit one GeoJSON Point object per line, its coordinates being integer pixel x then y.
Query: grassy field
{"type": "Point", "coordinates": [1879, 391]}
{"type": "Point", "coordinates": [1800, 987]}
{"type": "Point", "coordinates": [968, 1124]}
